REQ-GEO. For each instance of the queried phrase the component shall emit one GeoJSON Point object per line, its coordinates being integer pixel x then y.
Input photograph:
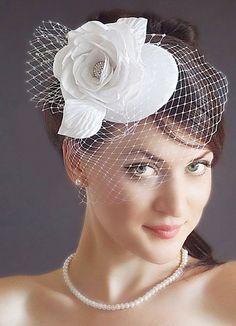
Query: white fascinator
{"type": "Point", "coordinates": [107, 80]}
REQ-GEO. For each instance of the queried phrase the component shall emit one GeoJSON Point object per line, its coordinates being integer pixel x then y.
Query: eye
{"type": "Point", "coordinates": [141, 169]}
{"type": "Point", "coordinates": [199, 167]}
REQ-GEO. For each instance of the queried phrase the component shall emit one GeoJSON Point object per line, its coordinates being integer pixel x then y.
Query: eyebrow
{"type": "Point", "coordinates": [157, 159]}
{"type": "Point", "coordinates": [146, 153]}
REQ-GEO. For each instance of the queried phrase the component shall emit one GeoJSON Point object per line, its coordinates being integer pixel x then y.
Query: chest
{"type": "Point", "coordinates": [176, 315]}
{"type": "Point", "coordinates": [186, 304]}
{"type": "Point", "coordinates": [169, 311]}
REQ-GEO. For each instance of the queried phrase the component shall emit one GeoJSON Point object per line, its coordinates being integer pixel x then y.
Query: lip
{"type": "Point", "coordinates": [164, 231]}
{"type": "Point", "coordinates": [164, 227]}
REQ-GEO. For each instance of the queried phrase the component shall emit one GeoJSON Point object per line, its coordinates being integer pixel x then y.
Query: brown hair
{"type": "Point", "coordinates": [181, 32]}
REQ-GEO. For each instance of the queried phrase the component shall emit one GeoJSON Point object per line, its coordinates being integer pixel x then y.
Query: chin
{"type": "Point", "coordinates": [166, 256]}
{"type": "Point", "coordinates": [162, 253]}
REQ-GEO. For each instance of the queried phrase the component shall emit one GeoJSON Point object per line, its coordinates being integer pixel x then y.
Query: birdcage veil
{"type": "Point", "coordinates": [121, 92]}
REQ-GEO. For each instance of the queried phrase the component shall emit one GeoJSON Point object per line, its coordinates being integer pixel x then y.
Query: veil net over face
{"type": "Point", "coordinates": [118, 143]}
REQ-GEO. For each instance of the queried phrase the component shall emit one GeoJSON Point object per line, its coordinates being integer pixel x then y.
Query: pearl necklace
{"type": "Point", "coordinates": [170, 279]}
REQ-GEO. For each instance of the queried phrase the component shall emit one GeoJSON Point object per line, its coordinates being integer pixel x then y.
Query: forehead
{"type": "Point", "coordinates": [149, 137]}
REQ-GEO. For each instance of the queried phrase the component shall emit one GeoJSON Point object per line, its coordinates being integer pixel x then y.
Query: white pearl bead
{"type": "Point", "coordinates": [153, 291]}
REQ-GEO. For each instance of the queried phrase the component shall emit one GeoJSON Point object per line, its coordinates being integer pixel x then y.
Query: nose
{"type": "Point", "coordinates": [171, 197]}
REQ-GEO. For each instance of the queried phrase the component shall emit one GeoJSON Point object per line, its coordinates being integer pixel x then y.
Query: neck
{"type": "Point", "coordinates": [102, 270]}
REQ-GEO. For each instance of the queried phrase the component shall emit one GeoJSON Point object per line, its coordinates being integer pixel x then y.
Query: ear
{"type": "Point", "coordinates": [73, 170]}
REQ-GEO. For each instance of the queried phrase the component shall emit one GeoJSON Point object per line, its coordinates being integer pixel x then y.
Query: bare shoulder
{"type": "Point", "coordinates": [29, 297]}
{"type": "Point", "coordinates": [221, 292]}
{"type": "Point", "coordinates": [14, 286]}
{"type": "Point", "coordinates": [26, 295]}
{"type": "Point", "coordinates": [25, 285]}
{"type": "Point", "coordinates": [14, 291]}
{"type": "Point", "coordinates": [225, 281]}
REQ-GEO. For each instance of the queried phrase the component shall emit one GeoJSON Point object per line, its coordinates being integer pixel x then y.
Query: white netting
{"type": "Point", "coordinates": [166, 141]}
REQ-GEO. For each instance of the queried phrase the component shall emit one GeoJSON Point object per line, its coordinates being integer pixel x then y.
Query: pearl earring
{"type": "Point", "coordinates": [78, 182]}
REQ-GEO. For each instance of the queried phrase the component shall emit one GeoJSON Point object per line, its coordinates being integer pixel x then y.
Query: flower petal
{"type": "Point", "coordinates": [138, 27]}
{"type": "Point", "coordinates": [81, 119]}
{"type": "Point", "coordinates": [158, 85]}
{"type": "Point", "coordinates": [58, 61]}
{"type": "Point", "coordinates": [68, 82]}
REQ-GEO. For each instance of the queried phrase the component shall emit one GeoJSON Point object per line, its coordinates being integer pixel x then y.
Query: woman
{"type": "Point", "coordinates": [139, 120]}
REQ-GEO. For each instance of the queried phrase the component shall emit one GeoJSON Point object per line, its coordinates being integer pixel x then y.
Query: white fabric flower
{"type": "Point", "coordinates": [106, 71]}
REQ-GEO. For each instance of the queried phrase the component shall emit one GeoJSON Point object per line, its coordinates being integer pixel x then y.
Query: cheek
{"type": "Point", "coordinates": [121, 221]}
{"type": "Point", "coordinates": [120, 215]}
{"type": "Point", "coordinates": [115, 187]}
{"type": "Point", "coordinates": [125, 208]}
{"type": "Point", "coordinates": [199, 193]}
{"type": "Point", "coordinates": [119, 204]}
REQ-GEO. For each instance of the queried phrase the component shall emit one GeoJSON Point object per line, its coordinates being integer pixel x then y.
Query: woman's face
{"type": "Point", "coordinates": [170, 187]}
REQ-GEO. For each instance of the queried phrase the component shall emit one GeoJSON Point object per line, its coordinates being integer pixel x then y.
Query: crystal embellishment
{"type": "Point", "coordinates": [97, 69]}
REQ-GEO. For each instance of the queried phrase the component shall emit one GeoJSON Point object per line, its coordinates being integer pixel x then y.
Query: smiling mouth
{"type": "Point", "coordinates": [164, 233]}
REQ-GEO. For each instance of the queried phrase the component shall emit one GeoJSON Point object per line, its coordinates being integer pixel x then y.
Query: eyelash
{"type": "Point", "coordinates": [204, 162]}
{"type": "Point", "coordinates": [136, 165]}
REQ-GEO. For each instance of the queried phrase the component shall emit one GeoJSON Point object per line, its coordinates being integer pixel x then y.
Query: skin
{"type": "Point", "coordinates": [114, 243]}
{"type": "Point", "coordinates": [116, 259]}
